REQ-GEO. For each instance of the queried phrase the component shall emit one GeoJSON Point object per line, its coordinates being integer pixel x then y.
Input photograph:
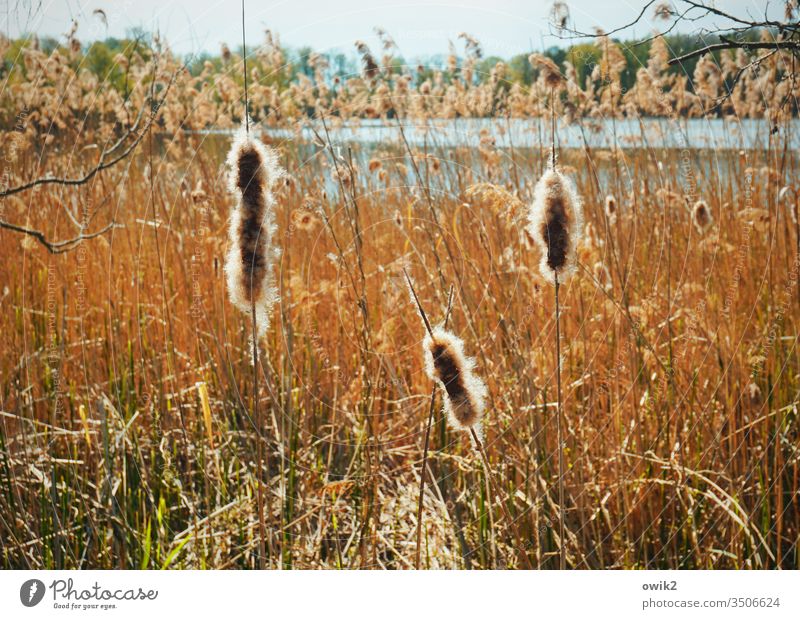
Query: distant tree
{"type": "Point", "coordinates": [301, 64]}
{"type": "Point", "coordinates": [520, 70]}
{"type": "Point", "coordinates": [485, 66]}
{"type": "Point", "coordinates": [758, 34]}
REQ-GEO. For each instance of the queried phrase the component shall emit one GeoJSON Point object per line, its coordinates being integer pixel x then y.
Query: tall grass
{"type": "Point", "coordinates": [671, 458]}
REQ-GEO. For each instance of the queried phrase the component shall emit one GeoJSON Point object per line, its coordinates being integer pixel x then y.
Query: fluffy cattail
{"type": "Point", "coordinates": [611, 208]}
{"type": "Point", "coordinates": [701, 216]}
{"type": "Point", "coordinates": [465, 393]}
{"type": "Point", "coordinates": [253, 169]}
{"type": "Point", "coordinates": [555, 223]}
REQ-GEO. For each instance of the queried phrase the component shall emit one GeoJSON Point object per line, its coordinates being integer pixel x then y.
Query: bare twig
{"type": "Point", "coordinates": [730, 44]}
{"type": "Point", "coordinates": [57, 247]}
{"type": "Point", "coordinates": [102, 164]}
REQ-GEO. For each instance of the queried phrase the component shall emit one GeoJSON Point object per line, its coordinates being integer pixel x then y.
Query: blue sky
{"type": "Point", "coordinates": [504, 27]}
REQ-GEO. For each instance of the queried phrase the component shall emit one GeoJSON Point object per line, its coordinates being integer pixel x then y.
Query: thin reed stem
{"type": "Point", "coordinates": [244, 59]}
{"type": "Point", "coordinates": [562, 563]}
{"type": "Point", "coordinates": [490, 480]}
{"type": "Point", "coordinates": [427, 434]}
{"type": "Point", "coordinates": [552, 128]}
{"type": "Point", "coordinates": [419, 305]}
{"type": "Point", "coordinates": [259, 445]}
{"type": "Point", "coordinates": [422, 478]}
{"type": "Point", "coordinates": [262, 532]}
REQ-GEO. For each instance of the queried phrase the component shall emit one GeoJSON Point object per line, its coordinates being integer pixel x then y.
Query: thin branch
{"type": "Point", "coordinates": [726, 15]}
{"type": "Point", "coordinates": [56, 247]}
{"type": "Point", "coordinates": [742, 26]}
{"type": "Point", "coordinates": [729, 44]}
{"type": "Point", "coordinates": [103, 164]}
{"type": "Point", "coordinates": [577, 33]}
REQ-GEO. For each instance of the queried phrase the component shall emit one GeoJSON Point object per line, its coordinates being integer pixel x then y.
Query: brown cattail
{"type": "Point", "coordinates": [253, 169]}
{"type": "Point", "coordinates": [465, 393]}
{"type": "Point", "coordinates": [701, 216]}
{"type": "Point", "coordinates": [556, 220]}
{"type": "Point", "coordinates": [611, 208]}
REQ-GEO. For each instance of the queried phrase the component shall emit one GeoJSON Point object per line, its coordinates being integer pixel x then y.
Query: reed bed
{"type": "Point", "coordinates": [127, 434]}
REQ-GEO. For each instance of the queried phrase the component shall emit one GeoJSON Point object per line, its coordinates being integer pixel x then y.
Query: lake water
{"type": "Point", "coordinates": [714, 133]}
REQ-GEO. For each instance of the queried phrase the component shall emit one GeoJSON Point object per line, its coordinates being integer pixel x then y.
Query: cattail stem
{"type": "Point", "coordinates": [419, 305]}
{"type": "Point", "coordinates": [422, 477]}
{"type": "Point", "coordinates": [448, 366]}
{"type": "Point", "coordinates": [562, 563]}
{"type": "Point", "coordinates": [552, 128]}
{"type": "Point", "coordinates": [259, 445]}
{"type": "Point", "coordinates": [562, 546]}
{"type": "Point", "coordinates": [244, 59]}
{"type": "Point", "coordinates": [490, 480]}
{"type": "Point", "coordinates": [427, 432]}
{"type": "Point", "coordinates": [262, 532]}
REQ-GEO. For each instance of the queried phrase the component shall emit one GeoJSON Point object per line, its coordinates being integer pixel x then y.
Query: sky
{"type": "Point", "coordinates": [504, 27]}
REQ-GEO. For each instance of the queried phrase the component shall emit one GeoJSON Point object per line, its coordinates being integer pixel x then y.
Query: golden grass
{"type": "Point", "coordinates": [680, 372]}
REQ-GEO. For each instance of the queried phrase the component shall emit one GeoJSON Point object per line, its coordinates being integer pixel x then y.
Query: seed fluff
{"type": "Point", "coordinates": [701, 216]}
{"type": "Point", "coordinates": [555, 221]}
{"type": "Point", "coordinates": [464, 392]}
{"type": "Point", "coordinates": [253, 169]}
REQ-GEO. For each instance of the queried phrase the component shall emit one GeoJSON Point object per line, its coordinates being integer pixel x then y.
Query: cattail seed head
{"type": "Point", "coordinates": [555, 223]}
{"type": "Point", "coordinates": [253, 170]}
{"type": "Point", "coordinates": [611, 207]}
{"type": "Point", "coordinates": [701, 216]}
{"type": "Point", "coordinates": [465, 393]}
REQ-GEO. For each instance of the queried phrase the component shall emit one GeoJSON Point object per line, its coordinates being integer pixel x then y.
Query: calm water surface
{"type": "Point", "coordinates": [716, 133]}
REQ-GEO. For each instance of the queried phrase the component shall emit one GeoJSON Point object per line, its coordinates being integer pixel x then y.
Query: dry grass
{"type": "Point", "coordinates": [679, 364]}
{"type": "Point", "coordinates": [681, 424]}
